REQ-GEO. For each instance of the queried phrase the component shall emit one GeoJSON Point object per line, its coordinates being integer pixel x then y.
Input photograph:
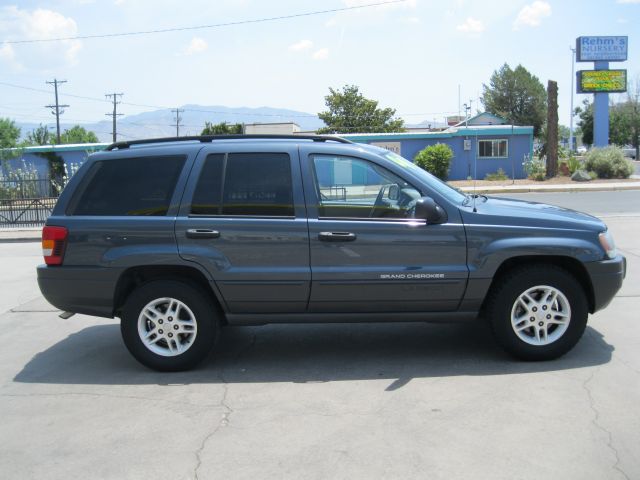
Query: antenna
{"type": "Point", "coordinates": [467, 111]}
{"type": "Point", "coordinates": [475, 173]}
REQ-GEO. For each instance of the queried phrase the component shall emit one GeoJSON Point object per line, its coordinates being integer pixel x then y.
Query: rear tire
{"type": "Point", "coordinates": [169, 325]}
{"type": "Point", "coordinates": [537, 312]}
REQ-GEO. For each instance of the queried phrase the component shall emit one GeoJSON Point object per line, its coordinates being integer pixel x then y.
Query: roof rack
{"type": "Point", "coordinates": [212, 138]}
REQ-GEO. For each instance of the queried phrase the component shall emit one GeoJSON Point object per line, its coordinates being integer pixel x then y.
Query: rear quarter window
{"type": "Point", "coordinates": [141, 186]}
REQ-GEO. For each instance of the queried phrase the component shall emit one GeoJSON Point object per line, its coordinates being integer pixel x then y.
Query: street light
{"type": "Point", "coordinates": [573, 63]}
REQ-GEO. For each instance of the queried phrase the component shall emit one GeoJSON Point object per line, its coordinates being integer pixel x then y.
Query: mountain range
{"type": "Point", "coordinates": [161, 123]}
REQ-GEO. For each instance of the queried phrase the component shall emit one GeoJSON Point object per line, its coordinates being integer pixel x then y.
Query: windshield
{"type": "Point", "coordinates": [447, 191]}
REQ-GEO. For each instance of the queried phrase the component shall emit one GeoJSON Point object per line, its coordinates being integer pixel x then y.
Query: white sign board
{"type": "Point", "coordinates": [391, 146]}
{"type": "Point", "coordinates": [594, 49]}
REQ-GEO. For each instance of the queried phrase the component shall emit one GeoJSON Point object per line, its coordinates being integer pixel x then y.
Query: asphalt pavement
{"type": "Point", "coordinates": [612, 203]}
{"type": "Point", "coordinates": [397, 401]}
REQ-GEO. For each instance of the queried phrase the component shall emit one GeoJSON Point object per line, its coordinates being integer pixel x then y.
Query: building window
{"type": "Point", "coordinates": [493, 148]}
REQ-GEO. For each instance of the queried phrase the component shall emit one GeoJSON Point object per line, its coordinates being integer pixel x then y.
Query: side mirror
{"type": "Point", "coordinates": [427, 208]}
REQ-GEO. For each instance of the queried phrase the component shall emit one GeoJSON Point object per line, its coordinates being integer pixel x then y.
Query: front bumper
{"type": "Point", "coordinates": [606, 279]}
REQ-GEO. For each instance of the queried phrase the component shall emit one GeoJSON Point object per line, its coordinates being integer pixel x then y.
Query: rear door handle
{"type": "Point", "coordinates": [202, 233]}
{"type": "Point", "coordinates": [337, 236]}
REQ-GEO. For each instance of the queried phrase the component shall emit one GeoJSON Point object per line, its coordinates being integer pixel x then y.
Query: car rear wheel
{"type": "Point", "coordinates": [169, 325]}
{"type": "Point", "coordinates": [537, 312]}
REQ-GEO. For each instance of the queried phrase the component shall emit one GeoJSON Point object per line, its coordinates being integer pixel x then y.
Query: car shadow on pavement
{"type": "Point", "coordinates": [307, 353]}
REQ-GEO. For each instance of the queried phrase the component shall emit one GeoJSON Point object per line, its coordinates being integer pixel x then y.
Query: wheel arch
{"type": "Point", "coordinates": [573, 266]}
{"type": "Point", "coordinates": [133, 277]}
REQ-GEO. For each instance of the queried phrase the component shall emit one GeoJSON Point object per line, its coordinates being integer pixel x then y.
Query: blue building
{"type": "Point", "coordinates": [482, 145]}
{"type": "Point", "coordinates": [37, 158]}
{"type": "Point", "coordinates": [477, 149]}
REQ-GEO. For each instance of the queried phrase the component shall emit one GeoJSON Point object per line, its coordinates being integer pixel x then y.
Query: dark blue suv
{"type": "Point", "coordinates": [179, 237]}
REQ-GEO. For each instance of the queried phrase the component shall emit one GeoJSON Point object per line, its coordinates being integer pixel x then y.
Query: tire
{"type": "Point", "coordinates": [528, 321]}
{"type": "Point", "coordinates": [190, 315]}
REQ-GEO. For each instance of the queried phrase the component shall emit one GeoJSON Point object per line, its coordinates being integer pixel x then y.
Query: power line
{"type": "Point", "coordinates": [220, 112]}
{"type": "Point", "coordinates": [202, 27]}
{"type": "Point", "coordinates": [115, 113]}
{"type": "Point", "coordinates": [56, 109]}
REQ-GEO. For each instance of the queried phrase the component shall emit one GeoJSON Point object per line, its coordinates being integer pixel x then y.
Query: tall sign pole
{"type": "Point", "coordinates": [601, 81]}
{"type": "Point", "coordinates": [601, 112]}
{"type": "Point", "coordinates": [573, 68]}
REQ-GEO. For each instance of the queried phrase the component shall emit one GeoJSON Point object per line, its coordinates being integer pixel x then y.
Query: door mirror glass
{"type": "Point", "coordinates": [427, 208]}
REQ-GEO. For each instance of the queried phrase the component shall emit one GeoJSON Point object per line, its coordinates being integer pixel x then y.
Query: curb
{"type": "Point", "coordinates": [20, 235]}
{"type": "Point", "coordinates": [553, 188]}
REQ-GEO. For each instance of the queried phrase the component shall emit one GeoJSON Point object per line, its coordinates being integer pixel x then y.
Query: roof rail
{"type": "Point", "coordinates": [212, 138]}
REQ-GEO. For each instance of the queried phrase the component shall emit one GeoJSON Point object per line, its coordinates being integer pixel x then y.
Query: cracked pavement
{"type": "Point", "coordinates": [316, 401]}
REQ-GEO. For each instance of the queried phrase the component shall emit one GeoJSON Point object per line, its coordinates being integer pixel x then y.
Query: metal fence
{"type": "Point", "coordinates": [26, 188]}
{"type": "Point", "coordinates": [25, 212]}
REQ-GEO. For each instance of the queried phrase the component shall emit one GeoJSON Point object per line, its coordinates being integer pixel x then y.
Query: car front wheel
{"type": "Point", "coordinates": [538, 312]}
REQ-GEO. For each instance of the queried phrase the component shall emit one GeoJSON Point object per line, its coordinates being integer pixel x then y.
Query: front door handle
{"type": "Point", "coordinates": [202, 233]}
{"type": "Point", "coordinates": [337, 236]}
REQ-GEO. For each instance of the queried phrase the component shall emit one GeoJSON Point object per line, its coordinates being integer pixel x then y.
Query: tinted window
{"type": "Point", "coordinates": [356, 188]}
{"type": "Point", "coordinates": [129, 186]}
{"type": "Point", "coordinates": [255, 184]}
{"type": "Point", "coordinates": [207, 199]}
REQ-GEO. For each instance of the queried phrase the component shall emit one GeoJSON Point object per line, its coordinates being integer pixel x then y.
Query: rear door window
{"type": "Point", "coordinates": [245, 184]}
{"type": "Point", "coordinates": [141, 186]}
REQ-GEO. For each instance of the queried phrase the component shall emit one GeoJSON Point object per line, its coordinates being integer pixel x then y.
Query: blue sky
{"type": "Point", "coordinates": [410, 56]}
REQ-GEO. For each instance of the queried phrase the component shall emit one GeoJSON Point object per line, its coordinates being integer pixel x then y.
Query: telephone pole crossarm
{"type": "Point", "coordinates": [114, 96]}
{"type": "Point", "coordinates": [57, 109]}
{"type": "Point", "coordinates": [177, 112]}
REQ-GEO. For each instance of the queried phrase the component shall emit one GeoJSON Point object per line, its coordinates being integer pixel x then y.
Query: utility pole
{"type": "Point", "coordinates": [178, 111]}
{"type": "Point", "coordinates": [114, 96]}
{"type": "Point", "coordinates": [573, 75]}
{"type": "Point", "coordinates": [56, 109]}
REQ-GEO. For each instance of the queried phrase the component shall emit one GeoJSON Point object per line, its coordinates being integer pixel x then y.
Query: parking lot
{"type": "Point", "coordinates": [319, 401]}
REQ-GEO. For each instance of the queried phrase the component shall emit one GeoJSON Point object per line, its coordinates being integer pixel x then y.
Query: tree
{"type": "Point", "coordinates": [585, 113]}
{"type": "Point", "coordinates": [78, 134]}
{"type": "Point", "coordinates": [222, 128]}
{"type": "Point", "coordinates": [624, 119]}
{"type": "Point", "coordinates": [350, 112]}
{"type": "Point", "coordinates": [552, 129]}
{"type": "Point", "coordinates": [40, 136]}
{"type": "Point", "coordinates": [9, 133]}
{"type": "Point", "coordinates": [516, 95]}
{"type": "Point", "coordinates": [630, 116]}
{"type": "Point", "coordinates": [435, 159]}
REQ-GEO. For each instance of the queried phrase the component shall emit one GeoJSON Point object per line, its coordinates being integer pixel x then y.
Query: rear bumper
{"type": "Point", "coordinates": [606, 278]}
{"type": "Point", "coordinates": [87, 290]}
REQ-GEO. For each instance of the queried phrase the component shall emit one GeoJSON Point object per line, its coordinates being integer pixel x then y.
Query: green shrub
{"type": "Point", "coordinates": [573, 164]}
{"type": "Point", "coordinates": [536, 169]}
{"type": "Point", "coordinates": [435, 159]}
{"type": "Point", "coordinates": [593, 175]}
{"type": "Point", "coordinates": [496, 176]}
{"type": "Point", "coordinates": [608, 162]}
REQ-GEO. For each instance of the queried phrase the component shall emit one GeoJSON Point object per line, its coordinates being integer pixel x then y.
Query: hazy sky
{"type": "Point", "coordinates": [410, 56]}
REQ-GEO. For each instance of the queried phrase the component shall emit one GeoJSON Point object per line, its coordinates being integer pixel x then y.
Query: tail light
{"type": "Point", "coordinates": [54, 241]}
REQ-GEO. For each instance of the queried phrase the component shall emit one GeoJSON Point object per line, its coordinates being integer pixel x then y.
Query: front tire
{"type": "Point", "coordinates": [169, 325]}
{"type": "Point", "coordinates": [537, 312]}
